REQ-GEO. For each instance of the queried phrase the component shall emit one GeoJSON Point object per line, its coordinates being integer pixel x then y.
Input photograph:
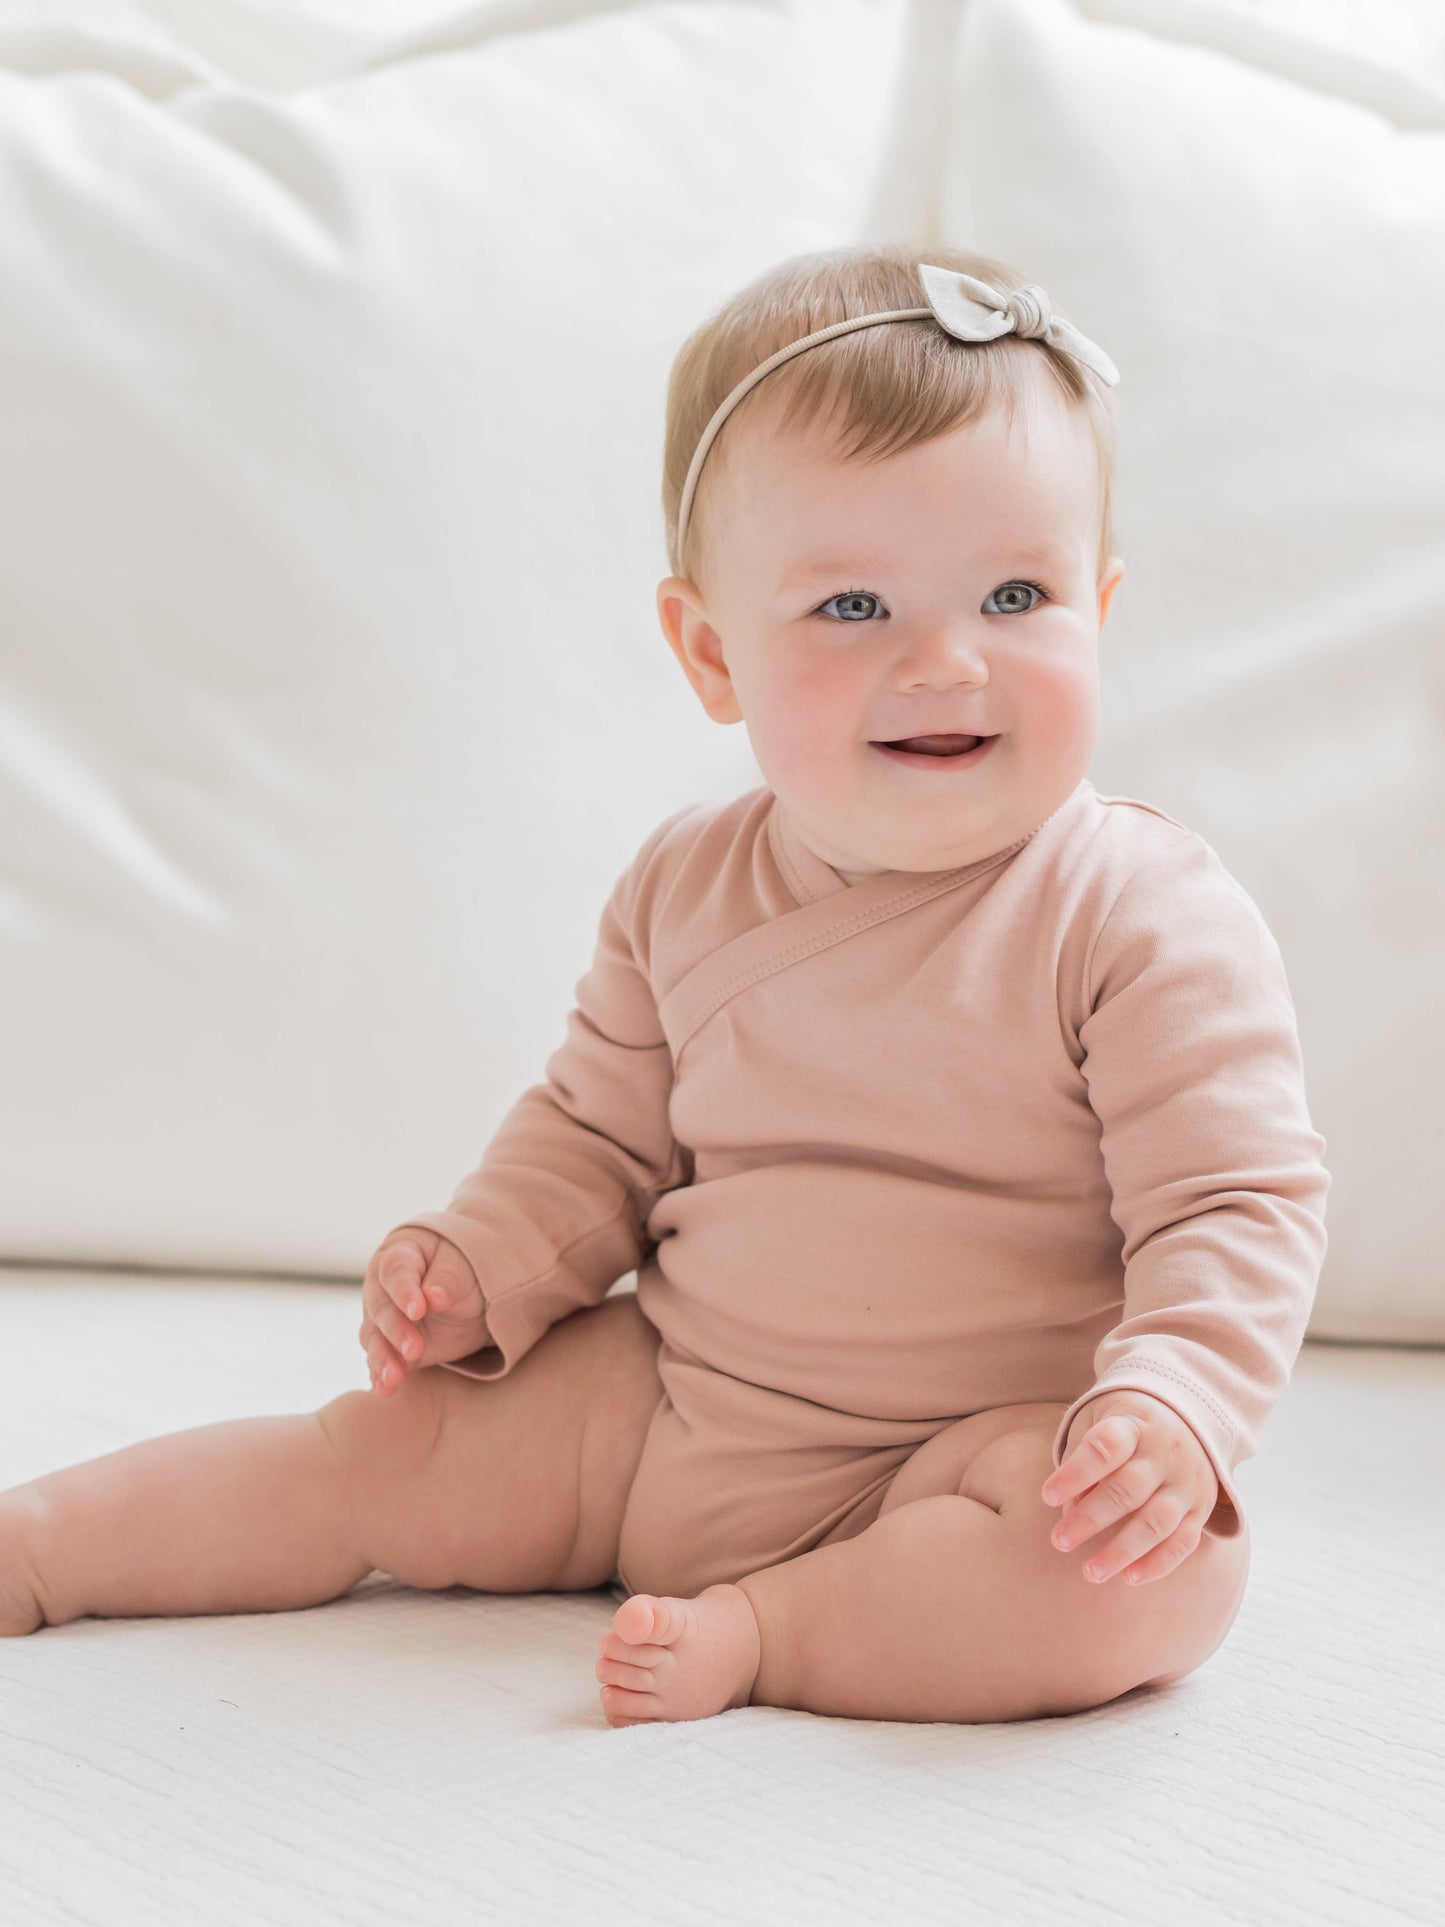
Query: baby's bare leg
{"type": "Point", "coordinates": [954, 1604]}
{"type": "Point", "coordinates": [240, 1516]}
{"type": "Point", "coordinates": [957, 1606]}
{"type": "Point", "coordinates": [516, 1485]}
{"type": "Point", "coordinates": [529, 1475]}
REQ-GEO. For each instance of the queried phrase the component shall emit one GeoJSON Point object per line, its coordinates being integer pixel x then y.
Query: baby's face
{"type": "Point", "coordinates": [857, 603]}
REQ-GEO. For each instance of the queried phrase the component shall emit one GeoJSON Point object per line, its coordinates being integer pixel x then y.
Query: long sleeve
{"type": "Point", "coordinates": [1194, 1070]}
{"type": "Point", "coordinates": [556, 1212]}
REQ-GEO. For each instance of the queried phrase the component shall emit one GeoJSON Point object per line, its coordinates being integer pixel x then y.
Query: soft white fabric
{"type": "Point", "coordinates": [414, 1757]}
{"type": "Point", "coordinates": [1265, 262]}
{"type": "Point", "coordinates": [333, 693]}
{"type": "Point", "coordinates": [319, 750]}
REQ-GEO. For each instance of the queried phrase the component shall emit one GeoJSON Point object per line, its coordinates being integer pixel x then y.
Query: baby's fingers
{"type": "Point", "coordinates": [381, 1309]}
{"type": "Point", "coordinates": [1151, 1541]}
{"type": "Point", "coordinates": [391, 1299]}
{"type": "Point", "coordinates": [1106, 1446]}
{"type": "Point", "coordinates": [387, 1370]}
{"type": "Point", "coordinates": [399, 1271]}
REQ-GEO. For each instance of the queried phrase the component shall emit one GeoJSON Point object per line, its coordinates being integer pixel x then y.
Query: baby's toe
{"type": "Point", "coordinates": [632, 1621]}
{"type": "Point", "coordinates": [612, 1671]}
{"type": "Point", "coordinates": [622, 1707]}
{"type": "Point", "coordinates": [645, 1619]}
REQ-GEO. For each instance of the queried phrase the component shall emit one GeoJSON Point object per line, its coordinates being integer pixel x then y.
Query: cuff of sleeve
{"type": "Point", "coordinates": [1226, 1520]}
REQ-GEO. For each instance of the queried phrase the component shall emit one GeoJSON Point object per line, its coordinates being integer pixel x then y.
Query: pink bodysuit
{"type": "Point", "coordinates": [889, 1154]}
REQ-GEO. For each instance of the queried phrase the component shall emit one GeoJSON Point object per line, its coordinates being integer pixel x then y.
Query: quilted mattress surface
{"type": "Point", "coordinates": [402, 1755]}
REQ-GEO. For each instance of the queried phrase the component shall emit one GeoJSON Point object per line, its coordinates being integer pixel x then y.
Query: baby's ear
{"type": "Point", "coordinates": [1110, 581]}
{"type": "Point", "coordinates": [698, 647]}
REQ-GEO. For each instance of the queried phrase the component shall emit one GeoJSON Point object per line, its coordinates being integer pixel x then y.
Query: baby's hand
{"type": "Point", "coordinates": [1133, 1453]}
{"type": "Point", "coordinates": [421, 1305]}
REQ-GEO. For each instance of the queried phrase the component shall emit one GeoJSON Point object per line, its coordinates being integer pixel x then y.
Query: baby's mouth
{"type": "Point", "coordinates": [936, 745]}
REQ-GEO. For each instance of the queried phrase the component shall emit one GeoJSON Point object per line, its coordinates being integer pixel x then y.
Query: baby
{"type": "Point", "coordinates": [951, 1115]}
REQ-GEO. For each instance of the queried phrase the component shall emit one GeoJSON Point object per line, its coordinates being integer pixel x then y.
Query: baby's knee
{"type": "Point", "coordinates": [1102, 1639]}
{"type": "Point", "coordinates": [382, 1448]}
{"type": "Point", "coordinates": [374, 1435]}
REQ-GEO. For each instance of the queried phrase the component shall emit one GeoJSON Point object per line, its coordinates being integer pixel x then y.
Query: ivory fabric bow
{"type": "Point", "coordinates": [973, 311]}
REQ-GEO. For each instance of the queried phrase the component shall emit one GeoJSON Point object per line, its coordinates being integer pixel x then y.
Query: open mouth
{"type": "Point", "coordinates": [937, 751]}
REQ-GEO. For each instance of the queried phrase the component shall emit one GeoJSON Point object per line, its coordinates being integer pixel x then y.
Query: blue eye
{"type": "Point", "coordinates": [849, 595]}
{"type": "Point", "coordinates": [855, 596]}
{"type": "Point", "coordinates": [1039, 590]}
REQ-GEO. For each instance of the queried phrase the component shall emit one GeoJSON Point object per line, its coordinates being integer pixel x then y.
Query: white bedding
{"type": "Point", "coordinates": [406, 1756]}
{"type": "Point", "coordinates": [333, 698]}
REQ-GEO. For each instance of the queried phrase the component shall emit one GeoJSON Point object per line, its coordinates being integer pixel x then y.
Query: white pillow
{"type": "Point", "coordinates": [1265, 261]}
{"type": "Point", "coordinates": [333, 697]}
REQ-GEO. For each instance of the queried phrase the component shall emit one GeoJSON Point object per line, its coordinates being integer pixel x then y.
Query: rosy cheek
{"type": "Point", "coordinates": [1056, 699]}
{"type": "Point", "coordinates": [814, 714]}
{"type": "Point", "coordinates": [786, 737]}
{"type": "Point", "coordinates": [807, 747]}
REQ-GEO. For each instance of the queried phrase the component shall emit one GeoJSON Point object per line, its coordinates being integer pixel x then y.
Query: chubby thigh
{"type": "Point", "coordinates": [514, 1484]}
{"type": "Point", "coordinates": [1002, 1458]}
{"type": "Point", "coordinates": [735, 1478]}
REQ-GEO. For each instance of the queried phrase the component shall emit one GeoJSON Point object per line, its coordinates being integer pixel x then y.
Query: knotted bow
{"type": "Point", "coordinates": [973, 311]}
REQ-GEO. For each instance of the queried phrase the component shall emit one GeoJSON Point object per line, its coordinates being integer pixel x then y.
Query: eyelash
{"type": "Point", "coordinates": [1021, 581]}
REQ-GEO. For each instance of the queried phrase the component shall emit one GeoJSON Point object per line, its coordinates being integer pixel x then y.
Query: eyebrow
{"type": "Point", "coordinates": [838, 566]}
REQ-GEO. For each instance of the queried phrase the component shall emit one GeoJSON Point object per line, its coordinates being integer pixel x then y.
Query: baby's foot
{"type": "Point", "coordinates": [678, 1659]}
{"type": "Point", "coordinates": [20, 1608]}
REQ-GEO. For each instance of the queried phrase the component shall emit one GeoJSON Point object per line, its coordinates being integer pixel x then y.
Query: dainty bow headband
{"type": "Point", "coordinates": [966, 307]}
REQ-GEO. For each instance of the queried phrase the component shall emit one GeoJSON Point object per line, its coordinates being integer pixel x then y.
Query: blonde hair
{"type": "Point", "coordinates": [886, 388]}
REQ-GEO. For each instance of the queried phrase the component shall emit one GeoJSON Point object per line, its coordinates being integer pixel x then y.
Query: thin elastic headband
{"type": "Point", "coordinates": [968, 308]}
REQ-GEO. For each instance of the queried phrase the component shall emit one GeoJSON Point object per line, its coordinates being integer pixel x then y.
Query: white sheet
{"type": "Point", "coordinates": [404, 1756]}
